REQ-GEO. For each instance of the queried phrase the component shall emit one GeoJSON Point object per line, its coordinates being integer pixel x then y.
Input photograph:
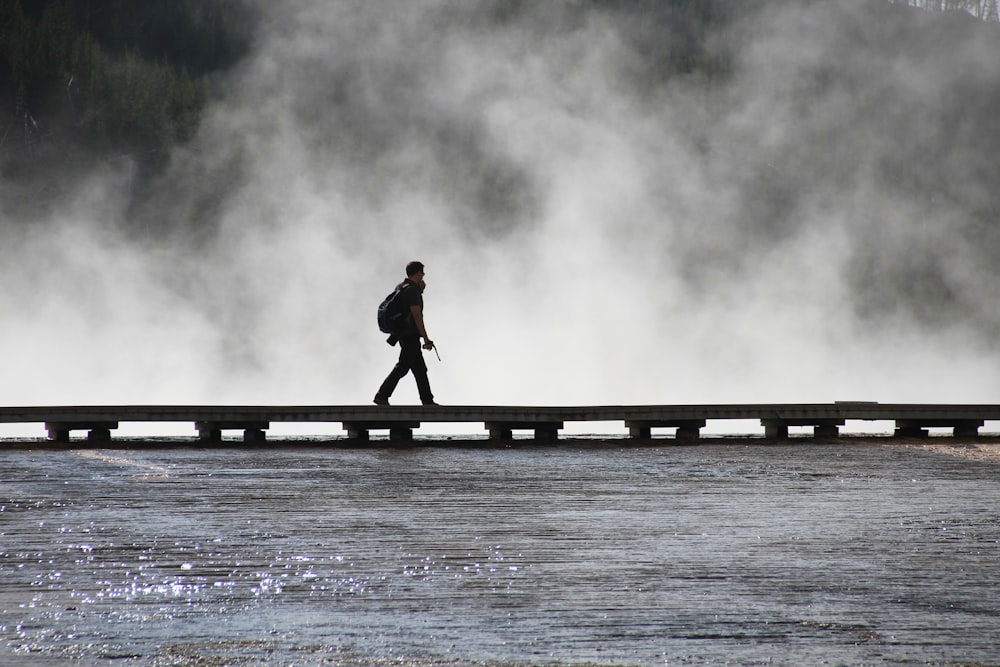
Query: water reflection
{"type": "Point", "coordinates": [741, 554]}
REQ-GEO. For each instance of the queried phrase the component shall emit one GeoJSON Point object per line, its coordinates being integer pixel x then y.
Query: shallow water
{"type": "Point", "coordinates": [570, 554]}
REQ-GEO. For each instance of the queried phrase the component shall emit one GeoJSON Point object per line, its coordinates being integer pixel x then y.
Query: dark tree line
{"type": "Point", "coordinates": [109, 76]}
{"type": "Point", "coordinates": [987, 10]}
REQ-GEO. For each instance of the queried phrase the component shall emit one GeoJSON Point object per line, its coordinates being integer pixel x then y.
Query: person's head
{"type": "Point", "coordinates": [415, 270]}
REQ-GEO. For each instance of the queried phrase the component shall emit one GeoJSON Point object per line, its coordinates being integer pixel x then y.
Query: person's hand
{"type": "Point", "coordinates": [428, 344]}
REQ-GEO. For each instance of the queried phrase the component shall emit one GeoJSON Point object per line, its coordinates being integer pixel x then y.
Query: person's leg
{"type": "Point", "coordinates": [419, 368]}
{"type": "Point", "coordinates": [397, 373]}
{"type": "Point", "coordinates": [412, 358]}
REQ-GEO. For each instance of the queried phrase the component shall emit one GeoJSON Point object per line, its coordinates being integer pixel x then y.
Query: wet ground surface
{"type": "Point", "coordinates": [566, 554]}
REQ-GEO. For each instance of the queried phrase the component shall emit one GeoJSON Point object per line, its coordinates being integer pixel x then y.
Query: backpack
{"type": "Point", "coordinates": [393, 315]}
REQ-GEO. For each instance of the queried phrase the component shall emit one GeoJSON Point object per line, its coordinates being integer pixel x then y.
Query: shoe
{"type": "Point", "coordinates": [381, 401]}
{"type": "Point", "coordinates": [429, 403]}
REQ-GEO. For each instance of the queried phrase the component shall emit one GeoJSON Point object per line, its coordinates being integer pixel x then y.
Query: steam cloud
{"type": "Point", "coordinates": [594, 233]}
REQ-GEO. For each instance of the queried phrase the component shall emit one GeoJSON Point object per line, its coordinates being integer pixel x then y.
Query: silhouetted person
{"type": "Point", "coordinates": [410, 356]}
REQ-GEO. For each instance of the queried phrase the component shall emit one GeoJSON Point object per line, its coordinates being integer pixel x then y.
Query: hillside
{"type": "Point", "coordinates": [83, 82]}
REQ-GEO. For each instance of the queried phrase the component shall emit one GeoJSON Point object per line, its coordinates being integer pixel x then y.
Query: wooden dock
{"type": "Point", "coordinates": [500, 422]}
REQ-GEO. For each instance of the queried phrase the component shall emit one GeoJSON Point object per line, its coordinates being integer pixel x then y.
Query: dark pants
{"type": "Point", "coordinates": [410, 359]}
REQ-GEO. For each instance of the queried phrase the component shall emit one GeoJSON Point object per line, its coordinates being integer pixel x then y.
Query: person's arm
{"type": "Point", "coordinates": [418, 319]}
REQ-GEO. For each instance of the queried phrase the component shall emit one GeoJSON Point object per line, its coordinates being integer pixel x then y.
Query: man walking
{"type": "Point", "coordinates": [410, 356]}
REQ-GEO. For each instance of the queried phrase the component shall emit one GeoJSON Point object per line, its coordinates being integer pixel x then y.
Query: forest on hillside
{"type": "Point", "coordinates": [985, 10]}
{"type": "Point", "coordinates": [87, 80]}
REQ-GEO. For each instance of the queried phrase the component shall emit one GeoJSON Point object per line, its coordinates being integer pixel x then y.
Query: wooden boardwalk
{"type": "Point", "coordinates": [826, 419]}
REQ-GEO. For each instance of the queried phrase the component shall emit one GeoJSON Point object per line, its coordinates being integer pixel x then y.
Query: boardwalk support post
{"type": "Point", "coordinates": [826, 431]}
{"type": "Point", "coordinates": [356, 432]}
{"type": "Point", "coordinates": [548, 432]}
{"type": "Point", "coordinates": [255, 435]}
{"type": "Point", "coordinates": [208, 431]}
{"type": "Point", "coordinates": [969, 429]}
{"type": "Point", "coordinates": [253, 432]}
{"type": "Point", "coordinates": [97, 431]}
{"type": "Point", "coordinates": [504, 430]}
{"type": "Point", "coordinates": [687, 429]}
{"type": "Point", "coordinates": [57, 432]}
{"type": "Point", "coordinates": [400, 434]}
{"type": "Point", "coordinates": [917, 428]}
{"type": "Point", "coordinates": [774, 428]}
{"type": "Point", "coordinates": [777, 428]}
{"type": "Point", "coordinates": [499, 431]}
{"type": "Point", "coordinates": [100, 434]}
{"type": "Point", "coordinates": [401, 431]}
